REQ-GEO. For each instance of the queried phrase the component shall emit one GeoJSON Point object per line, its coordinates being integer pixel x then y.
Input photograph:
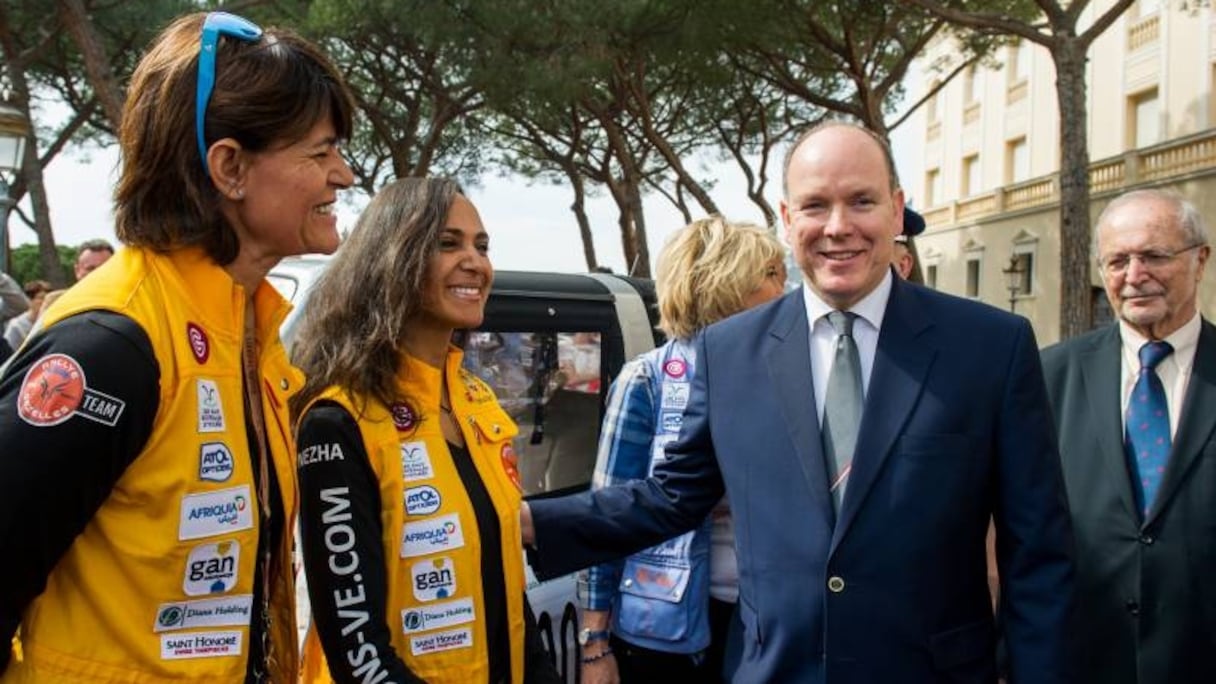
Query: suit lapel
{"type": "Point", "coordinates": [1196, 426]}
{"type": "Point", "coordinates": [788, 359]}
{"type": "Point", "coordinates": [1101, 370]}
{"type": "Point", "coordinates": [901, 364]}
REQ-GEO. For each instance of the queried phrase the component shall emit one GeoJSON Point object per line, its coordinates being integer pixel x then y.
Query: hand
{"type": "Point", "coordinates": [602, 671]}
{"type": "Point", "coordinates": [525, 525]}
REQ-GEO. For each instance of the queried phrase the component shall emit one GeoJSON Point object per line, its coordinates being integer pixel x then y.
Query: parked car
{"type": "Point", "coordinates": [550, 345]}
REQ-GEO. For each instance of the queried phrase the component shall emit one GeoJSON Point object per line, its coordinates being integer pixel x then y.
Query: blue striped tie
{"type": "Point", "coordinates": [1148, 427]}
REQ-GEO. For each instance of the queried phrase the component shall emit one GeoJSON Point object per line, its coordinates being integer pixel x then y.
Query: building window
{"type": "Point", "coordinates": [1024, 263]}
{"type": "Point", "coordinates": [969, 84]}
{"type": "Point", "coordinates": [1017, 161]}
{"type": "Point", "coordinates": [1018, 67]}
{"type": "Point", "coordinates": [1143, 119]}
{"type": "Point", "coordinates": [970, 175]}
{"type": "Point", "coordinates": [932, 107]}
{"type": "Point", "coordinates": [931, 276]}
{"type": "Point", "coordinates": [973, 276]}
{"type": "Point", "coordinates": [933, 187]}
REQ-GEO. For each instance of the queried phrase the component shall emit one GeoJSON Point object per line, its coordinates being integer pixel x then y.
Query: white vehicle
{"type": "Point", "coordinates": [550, 345]}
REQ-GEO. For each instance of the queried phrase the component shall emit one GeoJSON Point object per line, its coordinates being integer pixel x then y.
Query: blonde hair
{"type": "Point", "coordinates": [707, 270]}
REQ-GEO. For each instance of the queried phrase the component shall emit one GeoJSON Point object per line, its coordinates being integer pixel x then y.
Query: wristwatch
{"type": "Point", "coordinates": [588, 635]}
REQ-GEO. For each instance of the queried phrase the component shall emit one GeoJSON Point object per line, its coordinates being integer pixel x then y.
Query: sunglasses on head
{"type": "Point", "coordinates": [215, 25]}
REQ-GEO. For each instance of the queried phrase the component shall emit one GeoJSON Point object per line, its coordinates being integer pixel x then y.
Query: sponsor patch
{"type": "Point", "coordinates": [415, 462]}
{"type": "Point", "coordinates": [230, 611]}
{"type": "Point", "coordinates": [441, 641]}
{"type": "Point", "coordinates": [510, 463]}
{"type": "Point", "coordinates": [210, 407]}
{"type": "Point", "coordinates": [433, 578]}
{"type": "Point", "coordinates": [672, 421]}
{"type": "Point", "coordinates": [675, 368]}
{"type": "Point", "coordinates": [320, 453]}
{"type": "Point", "coordinates": [54, 390]}
{"type": "Point", "coordinates": [200, 346]}
{"type": "Point", "coordinates": [199, 645]}
{"type": "Point", "coordinates": [403, 416]}
{"type": "Point", "coordinates": [437, 615]}
{"type": "Point", "coordinates": [423, 500]}
{"type": "Point", "coordinates": [476, 391]}
{"type": "Point", "coordinates": [675, 395]}
{"type": "Point", "coordinates": [218, 512]}
{"type": "Point", "coordinates": [215, 462]}
{"type": "Point", "coordinates": [432, 536]}
{"type": "Point", "coordinates": [212, 568]}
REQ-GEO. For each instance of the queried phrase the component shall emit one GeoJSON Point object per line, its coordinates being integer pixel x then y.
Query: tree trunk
{"type": "Point", "coordinates": [640, 267]}
{"type": "Point", "coordinates": [1075, 309]}
{"type": "Point", "coordinates": [579, 207]}
{"type": "Point", "coordinates": [96, 63]}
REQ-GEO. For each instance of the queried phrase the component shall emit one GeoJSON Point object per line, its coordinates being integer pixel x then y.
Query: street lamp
{"type": "Point", "coordinates": [14, 126]}
{"type": "Point", "coordinates": [1013, 280]}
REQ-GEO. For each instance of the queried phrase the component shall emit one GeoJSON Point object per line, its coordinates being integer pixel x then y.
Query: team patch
{"type": "Point", "coordinates": [423, 500]}
{"type": "Point", "coordinates": [54, 390]}
{"type": "Point", "coordinates": [441, 641]}
{"type": "Point", "coordinates": [403, 416]}
{"type": "Point", "coordinates": [210, 406]}
{"type": "Point", "coordinates": [199, 645]}
{"type": "Point", "coordinates": [215, 462]}
{"type": "Point", "coordinates": [675, 395]}
{"type": "Point", "coordinates": [229, 611]}
{"type": "Point", "coordinates": [672, 421]}
{"type": "Point", "coordinates": [437, 615]}
{"type": "Point", "coordinates": [675, 368]}
{"type": "Point", "coordinates": [433, 578]}
{"type": "Point", "coordinates": [212, 568]}
{"type": "Point", "coordinates": [415, 462]}
{"type": "Point", "coordinates": [432, 536]}
{"type": "Point", "coordinates": [320, 453]}
{"type": "Point", "coordinates": [219, 512]}
{"type": "Point", "coordinates": [200, 346]}
{"type": "Point", "coordinates": [510, 463]}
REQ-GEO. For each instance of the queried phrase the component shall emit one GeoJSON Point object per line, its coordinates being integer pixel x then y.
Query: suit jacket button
{"type": "Point", "coordinates": [1132, 607]}
{"type": "Point", "coordinates": [1147, 539]}
{"type": "Point", "coordinates": [835, 584]}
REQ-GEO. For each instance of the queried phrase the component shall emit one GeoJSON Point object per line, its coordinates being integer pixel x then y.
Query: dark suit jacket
{"type": "Point", "coordinates": [1146, 590]}
{"type": "Point", "coordinates": [955, 429]}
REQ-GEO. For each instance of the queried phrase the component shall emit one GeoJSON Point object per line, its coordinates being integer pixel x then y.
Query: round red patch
{"type": "Point", "coordinates": [510, 463]}
{"type": "Point", "coordinates": [51, 391]}
{"type": "Point", "coordinates": [675, 368]}
{"type": "Point", "coordinates": [199, 345]}
{"type": "Point", "coordinates": [403, 416]}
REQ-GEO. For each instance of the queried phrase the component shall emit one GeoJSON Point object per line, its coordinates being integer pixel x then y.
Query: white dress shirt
{"type": "Point", "coordinates": [869, 310]}
{"type": "Point", "coordinates": [1174, 370]}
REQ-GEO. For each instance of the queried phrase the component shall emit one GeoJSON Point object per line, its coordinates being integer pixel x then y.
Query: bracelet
{"type": "Point", "coordinates": [587, 660]}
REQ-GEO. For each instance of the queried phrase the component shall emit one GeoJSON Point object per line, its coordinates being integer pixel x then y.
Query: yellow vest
{"type": "Point", "coordinates": [159, 585]}
{"type": "Point", "coordinates": [431, 544]}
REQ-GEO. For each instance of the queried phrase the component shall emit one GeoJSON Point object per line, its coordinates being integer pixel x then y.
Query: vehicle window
{"type": "Point", "coordinates": [550, 385]}
{"type": "Point", "coordinates": [286, 285]}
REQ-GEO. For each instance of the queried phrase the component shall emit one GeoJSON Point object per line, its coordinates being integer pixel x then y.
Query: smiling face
{"type": "Point", "coordinates": [459, 274]}
{"type": "Point", "coordinates": [289, 193]}
{"type": "Point", "coordinates": [1154, 300]}
{"type": "Point", "coordinates": [840, 213]}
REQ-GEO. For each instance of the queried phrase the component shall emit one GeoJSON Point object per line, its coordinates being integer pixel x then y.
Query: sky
{"type": "Point", "coordinates": [531, 227]}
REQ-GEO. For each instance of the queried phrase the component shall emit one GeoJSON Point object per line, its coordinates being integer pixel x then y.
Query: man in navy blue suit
{"type": "Point", "coordinates": [865, 431]}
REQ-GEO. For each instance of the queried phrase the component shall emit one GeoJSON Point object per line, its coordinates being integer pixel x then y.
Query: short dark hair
{"type": "Point", "coordinates": [267, 92]}
{"type": "Point", "coordinates": [808, 132]}
{"type": "Point", "coordinates": [98, 245]}
{"type": "Point", "coordinates": [34, 288]}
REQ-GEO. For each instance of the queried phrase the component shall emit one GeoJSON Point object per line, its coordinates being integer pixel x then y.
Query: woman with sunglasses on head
{"type": "Point", "coordinates": [147, 470]}
{"type": "Point", "coordinates": [409, 502]}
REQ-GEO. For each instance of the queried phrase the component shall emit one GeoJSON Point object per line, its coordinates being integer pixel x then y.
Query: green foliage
{"type": "Point", "coordinates": [26, 266]}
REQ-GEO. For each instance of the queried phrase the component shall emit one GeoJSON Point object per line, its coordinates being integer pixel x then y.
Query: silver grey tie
{"type": "Point", "coordinates": [842, 404]}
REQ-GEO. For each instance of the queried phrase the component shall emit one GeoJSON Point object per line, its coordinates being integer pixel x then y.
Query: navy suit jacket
{"type": "Point", "coordinates": [955, 429]}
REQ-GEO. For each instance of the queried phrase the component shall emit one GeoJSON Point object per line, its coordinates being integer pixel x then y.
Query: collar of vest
{"type": "Point", "coordinates": [194, 271]}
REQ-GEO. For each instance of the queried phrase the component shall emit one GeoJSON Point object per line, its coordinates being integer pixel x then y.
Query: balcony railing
{"type": "Point", "coordinates": [971, 113]}
{"type": "Point", "coordinates": [1016, 91]}
{"type": "Point", "coordinates": [1174, 159]}
{"type": "Point", "coordinates": [1143, 31]}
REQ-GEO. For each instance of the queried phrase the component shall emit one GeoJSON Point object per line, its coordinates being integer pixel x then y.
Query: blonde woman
{"type": "Point", "coordinates": [661, 614]}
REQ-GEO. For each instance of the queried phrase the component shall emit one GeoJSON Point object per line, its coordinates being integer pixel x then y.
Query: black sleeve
{"type": "Point", "coordinates": [340, 533]}
{"type": "Point", "coordinates": [76, 408]}
{"type": "Point", "coordinates": [538, 665]}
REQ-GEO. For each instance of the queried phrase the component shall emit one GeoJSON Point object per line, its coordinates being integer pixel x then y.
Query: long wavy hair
{"type": "Point", "coordinates": [373, 288]}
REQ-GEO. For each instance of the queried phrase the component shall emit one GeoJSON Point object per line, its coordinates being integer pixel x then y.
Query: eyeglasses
{"type": "Point", "coordinates": [1151, 259]}
{"type": "Point", "coordinates": [215, 25]}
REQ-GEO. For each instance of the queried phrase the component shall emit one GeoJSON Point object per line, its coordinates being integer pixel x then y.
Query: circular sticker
{"type": "Point", "coordinates": [51, 391]}
{"type": "Point", "coordinates": [510, 463]}
{"type": "Point", "coordinates": [403, 416]}
{"type": "Point", "coordinates": [675, 368]}
{"type": "Point", "coordinates": [199, 346]}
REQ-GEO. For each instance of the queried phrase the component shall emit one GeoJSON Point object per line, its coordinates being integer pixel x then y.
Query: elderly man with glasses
{"type": "Point", "coordinates": [1135, 406]}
